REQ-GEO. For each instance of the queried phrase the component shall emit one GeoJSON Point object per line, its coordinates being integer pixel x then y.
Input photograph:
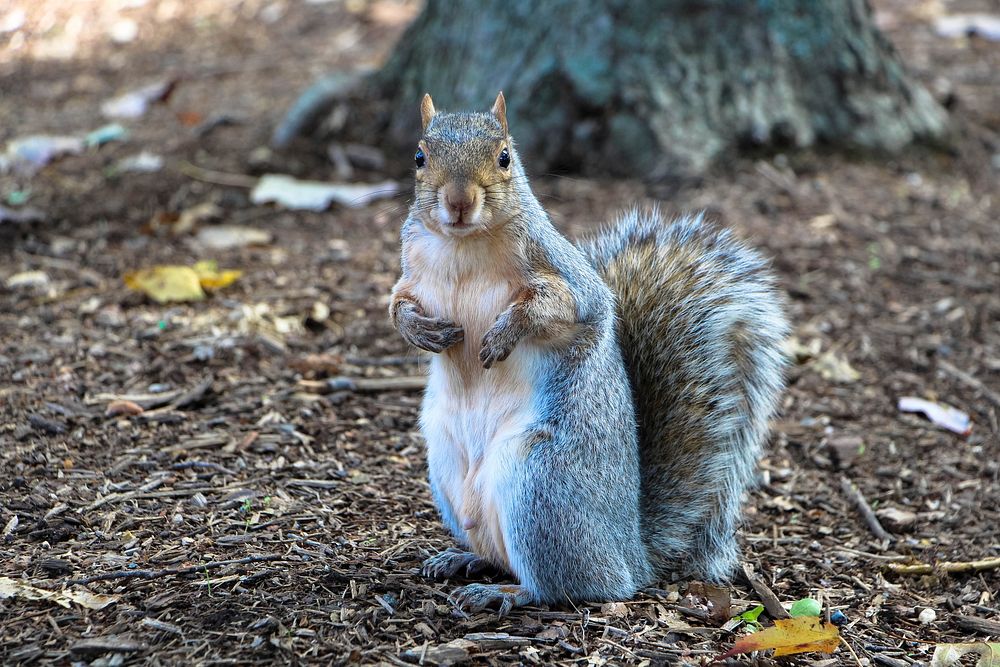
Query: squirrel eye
{"type": "Point", "coordinates": [419, 158]}
{"type": "Point", "coordinates": [504, 159]}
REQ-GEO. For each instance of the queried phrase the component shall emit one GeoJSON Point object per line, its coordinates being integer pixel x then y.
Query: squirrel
{"type": "Point", "coordinates": [593, 413]}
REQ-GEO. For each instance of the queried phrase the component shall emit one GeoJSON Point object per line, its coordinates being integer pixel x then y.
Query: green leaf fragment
{"type": "Point", "coordinates": [751, 615]}
{"type": "Point", "coordinates": [805, 607]}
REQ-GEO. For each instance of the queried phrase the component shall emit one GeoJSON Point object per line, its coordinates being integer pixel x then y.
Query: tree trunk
{"type": "Point", "coordinates": [658, 88]}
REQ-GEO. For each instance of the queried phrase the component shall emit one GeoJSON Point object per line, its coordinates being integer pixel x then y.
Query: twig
{"type": "Point", "coordinates": [404, 360]}
{"type": "Point", "coordinates": [976, 624]}
{"type": "Point", "coordinates": [865, 554]}
{"type": "Point", "coordinates": [171, 571]}
{"type": "Point", "coordinates": [855, 495]}
{"type": "Point", "coordinates": [970, 380]}
{"type": "Point", "coordinates": [374, 385]}
{"type": "Point", "coordinates": [193, 395]}
{"type": "Point", "coordinates": [216, 177]}
{"type": "Point", "coordinates": [202, 465]}
{"type": "Point", "coordinates": [844, 641]}
{"type": "Point", "coordinates": [946, 566]}
{"type": "Point", "coordinates": [365, 385]}
{"type": "Point", "coordinates": [121, 497]}
{"type": "Point", "coordinates": [767, 596]}
{"type": "Point", "coordinates": [177, 398]}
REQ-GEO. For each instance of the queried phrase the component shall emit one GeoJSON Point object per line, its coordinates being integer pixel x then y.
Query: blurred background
{"type": "Point", "coordinates": [199, 211]}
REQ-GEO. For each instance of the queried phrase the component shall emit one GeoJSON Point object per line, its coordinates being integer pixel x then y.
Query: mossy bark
{"type": "Point", "coordinates": [662, 87]}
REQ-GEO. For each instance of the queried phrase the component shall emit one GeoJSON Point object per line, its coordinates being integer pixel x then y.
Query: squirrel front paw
{"type": "Point", "coordinates": [433, 334]}
{"type": "Point", "coordinates": [448, 563]}
{"type": "Point", "coordinates": [499, 341]}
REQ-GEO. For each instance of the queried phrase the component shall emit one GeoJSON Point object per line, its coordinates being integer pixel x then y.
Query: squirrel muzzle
{"type": "Point", "coordinates": [460, 205]}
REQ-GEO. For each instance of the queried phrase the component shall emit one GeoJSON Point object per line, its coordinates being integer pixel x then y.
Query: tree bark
{"type": "Point", "coordinates": [657, 88]}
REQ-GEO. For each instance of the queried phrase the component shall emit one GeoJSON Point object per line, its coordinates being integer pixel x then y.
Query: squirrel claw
{"type": "Point", "coordinates": [432, 334]}
{"type": "Point", "coordinates": [476, 597]}
{"type": "Point", "coordinates": [493, 350]}
{"type": "Point", "coordinates": [449, 562]}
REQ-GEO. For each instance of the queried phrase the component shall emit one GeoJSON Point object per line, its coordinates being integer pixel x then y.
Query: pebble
{"type": "Point", "coordinates": [927, 616]}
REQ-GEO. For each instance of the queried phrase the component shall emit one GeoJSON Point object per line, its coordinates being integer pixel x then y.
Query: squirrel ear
{"type": "Point", "coordinates": [426, 111]}
{"type": "Point", "coordinates": [500, 111]}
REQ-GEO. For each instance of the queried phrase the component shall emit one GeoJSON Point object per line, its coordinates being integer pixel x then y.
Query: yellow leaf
{"type": "Point", "coordinates": [167, 283]}
{"type": "Point", "coordinates": [210, 276]}
{"type": "Point", "coordinates": [181, 283]}
{"type": "Point", "coordinates": [790, 635]}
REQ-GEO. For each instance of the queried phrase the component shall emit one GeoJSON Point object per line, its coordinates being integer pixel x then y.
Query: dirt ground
{"type": "Point", "coordinates": [254, 514]}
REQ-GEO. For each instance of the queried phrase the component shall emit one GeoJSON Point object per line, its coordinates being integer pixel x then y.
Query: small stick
{"type": "Point", "coordinates": [976, 624]}
{"type": "Point", "coordinates": [202, 465]}
{"type": "Point", "coordinates": [946, 566]}
{"type": "Point", "coordinates": [844, 641]}
{"type": "Point", "coordinates": [855, 495]}
{"type": "Point", "coordinates": [216, 177]}
{"type": "Point", "coordinates": [155, 574]}
{"type": "Point", "coordinates": [767, 596]}
{"type": "Point", "coordinates": [365, 385]}
{"type": "Point", "coordinates": [970, 380]}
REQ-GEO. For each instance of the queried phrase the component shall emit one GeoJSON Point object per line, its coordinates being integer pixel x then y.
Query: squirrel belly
{"type": "Point", "coordinates": [511, 450]}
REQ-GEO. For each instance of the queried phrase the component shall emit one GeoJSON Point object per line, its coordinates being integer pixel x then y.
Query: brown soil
{"type": "Point", "coordinates": [320, 498]}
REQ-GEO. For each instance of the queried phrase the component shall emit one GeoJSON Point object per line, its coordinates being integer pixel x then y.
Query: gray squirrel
{"type": "Point", "coordinates": [593, 413]}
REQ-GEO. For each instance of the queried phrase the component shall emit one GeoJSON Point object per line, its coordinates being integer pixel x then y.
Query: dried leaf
{"type": "Point", "coordinates": [211, 278]}
{"type": "Point", "coordinates": [29, 154]}
{"type": "Point", "coordinates": [895, 518]}
{"type": "Point", "coordinates": [180, 283]}
{"type": "Point", "coordinates": [614, 609]}
{"type": "Point", "coordinates": [318, 364]}
{"type": "Point", "coordinates": [224, 237]}
{"type": "Point", "coordinates": [27, 279]}
{"type": "Point", "coordinates": [144, 162]}
{"type": "Point", "coordinates": [716, 600]}
{"type": "Point", "coordinates": [135, 103]}
{"type": "Point", "coordinates": [986, 26]}
{"type": "Point", "coordinates": [167, 283]}
{"type": "Point", "coordinates": [946, 655]}
{"type": "Point", "coordinates": [835, 367]}
{"type": "Point", "coordinates": [801, 352]}
{"type": "Point", "coordinates": [11, 588]}
{"type": "Point", "coordinates": [789, 636]}
{"type": "Point", "coordinates": [190, 218]}
{"type": "Point", "coordinates": [316, 195]}
{"type": "Point", "coordinates": [119, 408]}
{"type": "Point", "coordinates": [940, 414]}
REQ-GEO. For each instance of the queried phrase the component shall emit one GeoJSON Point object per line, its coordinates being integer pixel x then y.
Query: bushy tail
{"type": "Point", "coordinates": [700, 325]}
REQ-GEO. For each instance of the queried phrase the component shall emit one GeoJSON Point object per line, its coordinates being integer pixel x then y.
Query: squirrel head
{"type": "Point", "coordinates": [465, 170]}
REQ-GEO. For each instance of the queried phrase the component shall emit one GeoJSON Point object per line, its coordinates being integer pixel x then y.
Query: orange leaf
{"type": "Point", "coordinates": [788, 636]}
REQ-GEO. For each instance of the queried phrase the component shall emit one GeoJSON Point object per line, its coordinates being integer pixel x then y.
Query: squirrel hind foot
{"type": "Point", "coordinates": [476, 597]}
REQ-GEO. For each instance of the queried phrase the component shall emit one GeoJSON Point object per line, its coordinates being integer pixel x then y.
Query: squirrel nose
{"type": "Point", "coordinates": [460, 204]}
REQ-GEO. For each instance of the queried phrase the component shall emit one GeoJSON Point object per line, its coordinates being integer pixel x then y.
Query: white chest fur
{"type": "Point", "coordinates": [473, 418]}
